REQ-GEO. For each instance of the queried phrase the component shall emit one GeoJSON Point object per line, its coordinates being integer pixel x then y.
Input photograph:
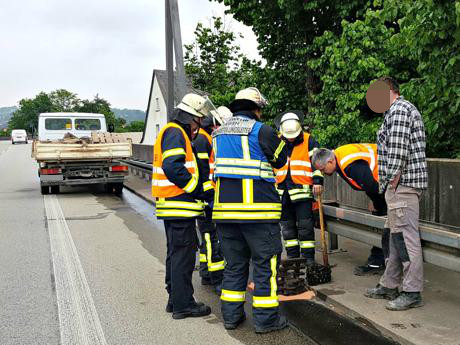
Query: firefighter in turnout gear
{"type": "Point", "coordinates": [247, 210]}
{"type": "Point", "coordinates": [357, 165]}
{"type": "Point", "coordinates": [211, 260]}
{"type": "Point", "coordinates": [297, 183]}
{"type": "Point", "coordinates": [178, 188]}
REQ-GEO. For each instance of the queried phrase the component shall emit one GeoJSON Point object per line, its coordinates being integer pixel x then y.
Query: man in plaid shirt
{"type": "Point", "coordinates": [402, 175]}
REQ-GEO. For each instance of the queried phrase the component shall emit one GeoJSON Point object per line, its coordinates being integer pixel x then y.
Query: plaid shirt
{"type": "Point", "coordinates": [401, 146]}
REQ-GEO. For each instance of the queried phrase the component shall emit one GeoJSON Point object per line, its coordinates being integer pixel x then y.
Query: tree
{"type": "Point", "coordinates": [100, 106]}
{"type": "Point", "coordinates": [64, 100]}
{"type": "Point", "coordinates": [215, 65]}
{"type": "Point", "coordinates": [26, 117]}
{"type": "Point", "coordinates": [322, 55]}
{"type": "Point", "coordinates": [391, 41]}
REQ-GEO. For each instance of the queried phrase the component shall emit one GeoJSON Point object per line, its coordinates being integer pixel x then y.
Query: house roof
{"type": "Point", "coordinates": [162, 77]}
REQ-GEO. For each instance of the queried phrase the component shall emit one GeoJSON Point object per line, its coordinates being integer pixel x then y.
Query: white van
{"type": "Point", "coordinates": [53, 126]}
{"type": "Point", "coordinates": [18, 136]}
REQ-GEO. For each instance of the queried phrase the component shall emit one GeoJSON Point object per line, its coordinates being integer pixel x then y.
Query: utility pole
{"type": "Point", "coordinates": [176, 81]}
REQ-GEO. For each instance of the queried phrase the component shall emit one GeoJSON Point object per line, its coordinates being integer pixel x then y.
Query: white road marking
{"type": "Point", "coordinates": [78, 319]}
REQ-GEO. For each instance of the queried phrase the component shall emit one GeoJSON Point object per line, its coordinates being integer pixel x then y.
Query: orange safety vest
{"type": "Point", "coordinates": [211, 157]}
{"type": "Point", "coordinates": [299, 164]}
{"type": "Point", "coordinates": [161, 186]}
{"type": "Point", "coordinates": [347, 154]}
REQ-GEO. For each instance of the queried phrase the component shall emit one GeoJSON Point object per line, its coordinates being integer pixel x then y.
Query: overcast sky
{"type": "Point", "coordinates": [89, 47]}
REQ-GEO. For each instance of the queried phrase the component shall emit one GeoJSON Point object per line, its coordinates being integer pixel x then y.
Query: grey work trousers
{"type": "Point", "coordinates": [406, 259]}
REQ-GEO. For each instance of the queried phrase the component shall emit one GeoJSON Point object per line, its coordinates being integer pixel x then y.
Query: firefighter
{"type": "Point", "coordinates": [211, 260]}
{"type": "Point", "coordinates": [177, 187]}
{"type": "Point", "coordinates": [297, 182]}
{"type": "Point", "coordinates": [247, 210]}
{"type": "Point", "coordinates": [357, 165]}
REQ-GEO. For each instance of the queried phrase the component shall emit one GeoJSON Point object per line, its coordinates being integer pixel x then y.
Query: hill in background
{"type": "Point", "coordinates": [129, 115]}
{"type": "Point", "coordinates": [5, 115]}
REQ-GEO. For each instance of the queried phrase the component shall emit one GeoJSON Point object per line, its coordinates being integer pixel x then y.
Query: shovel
{"type": "Point", "coordinates": [317, 273]}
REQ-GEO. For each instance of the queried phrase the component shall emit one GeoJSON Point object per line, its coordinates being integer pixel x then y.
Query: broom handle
{"type": "Point", "coordinates": [323, 235]}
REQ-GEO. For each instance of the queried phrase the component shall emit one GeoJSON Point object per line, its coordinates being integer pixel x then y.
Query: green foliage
{"type": "Point", "coordinates": [26, 116]}
{"type": "Point", "coordinates": [321, 56]}
{"type": "Point", "coordinates": [101, 106]}
{"type": "Point", "coordinates": [395, 40]}
{"type": "Point", "coordinates": [134, 126]}
{"type": "Point", "coordinates": [215, 65]}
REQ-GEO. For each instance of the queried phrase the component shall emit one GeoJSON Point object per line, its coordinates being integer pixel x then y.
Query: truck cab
{"type": "Point", "coordinates": [53, 126]}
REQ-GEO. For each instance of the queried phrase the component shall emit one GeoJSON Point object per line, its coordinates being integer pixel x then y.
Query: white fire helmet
{"type": "Point", "coordinates": [195, 105]}
{"type": "Point", "coordinates": [290, 126]}
{"type": "Point", "coordinates": [222, 114]}
{"type": "Point", "coordinates": [252, 94]}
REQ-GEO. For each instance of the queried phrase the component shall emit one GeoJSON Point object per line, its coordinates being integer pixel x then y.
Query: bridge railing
{"type": "Point", "coordinates": [347, 215]}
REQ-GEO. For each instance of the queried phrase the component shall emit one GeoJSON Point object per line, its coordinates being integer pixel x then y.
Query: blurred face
{"type": "Point", "coordinates": [258, 113]}
{"type": "Point", "coordinates": [329, 168]}
{"type": "Point", "coordinates": [195, 126]}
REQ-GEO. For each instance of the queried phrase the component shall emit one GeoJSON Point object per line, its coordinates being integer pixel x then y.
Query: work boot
{"type": "Point", "coordinates": [367, 270]}
{"type": "Point", "coordinates": [406, 300]}
{"type": "Point", "coordinates": [195, 311]}
{"type": "Point", "coordinates": [169, 306]}
{"type": "Point", "coordinates": [282, 323]}
{"type": "Point", "coordinates": [234, 325]}
{"type": "Point", "coordinates": [382, 292]}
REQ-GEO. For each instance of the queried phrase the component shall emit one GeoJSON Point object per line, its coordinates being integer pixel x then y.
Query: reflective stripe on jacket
{"type": "Point", "coordinates": [240, 156]}
{"type": "Point", "coordinates": [172, 201]}
{"type": "Point", "coordinates": [299, 165]}
{"type": "Point", "coordinates": [347, 154]}
{"type": "Point", "coordinates": [207, 159]}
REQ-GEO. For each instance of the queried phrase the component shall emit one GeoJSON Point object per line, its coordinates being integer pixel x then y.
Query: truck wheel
{"type": "Point", "coordinates": [45, 190]}
{"type": "Point", "coordinates": [54, 189]}
{"type": "Point", "coordinates": [118, 188]}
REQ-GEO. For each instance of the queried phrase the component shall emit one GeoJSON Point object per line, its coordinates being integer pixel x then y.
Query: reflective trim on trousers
{"type": "Point", "coordinates": [272, 300]}
{"type": "Point", "coordinates": [212, 266]}
{"type": "Point", "coordinates": [291, 243]}
{"type": "Point", "coordinates": [233, 296]}
{"type": "Point", "coordinates": [307, 244]}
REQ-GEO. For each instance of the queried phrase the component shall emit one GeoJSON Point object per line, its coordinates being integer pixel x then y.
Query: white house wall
{"type": "Point", "coordinates": [157, 116]}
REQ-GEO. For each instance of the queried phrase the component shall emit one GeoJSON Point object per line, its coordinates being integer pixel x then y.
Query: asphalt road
{"type": "Point", "coordinates": [85, 267]}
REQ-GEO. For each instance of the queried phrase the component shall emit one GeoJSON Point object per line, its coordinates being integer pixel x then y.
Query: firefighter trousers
{"type": "Point", "coordinates": [211, 260]}
{"type": "Point", "coordinates": [297, 224]}
{"type": "Point", "coordinates": [259, 243]}
{"type": "Point", "coordinates": [182, 244]}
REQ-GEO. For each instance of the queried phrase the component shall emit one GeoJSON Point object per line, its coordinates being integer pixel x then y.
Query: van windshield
{"type": "Point", "coordinates": [58, 124]}
{"type": "Point", "coordinates": [87, 124]}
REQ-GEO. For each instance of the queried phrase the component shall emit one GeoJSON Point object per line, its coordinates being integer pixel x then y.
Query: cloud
{"type": "Point", "coordinates": [105, 47]}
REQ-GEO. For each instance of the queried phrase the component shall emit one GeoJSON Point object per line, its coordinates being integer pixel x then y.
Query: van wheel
{"type": "Point", "coordinates": [54, 189]}
{"type": "Point", "coordinates": [45, 190]}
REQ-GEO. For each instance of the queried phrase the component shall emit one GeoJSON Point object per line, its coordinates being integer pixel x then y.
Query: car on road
{"type": "Point", "coordinates": [18, 136]}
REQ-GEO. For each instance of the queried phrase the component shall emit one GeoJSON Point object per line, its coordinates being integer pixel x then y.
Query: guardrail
{"type": "Point", "coordinates": [441, 244]}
